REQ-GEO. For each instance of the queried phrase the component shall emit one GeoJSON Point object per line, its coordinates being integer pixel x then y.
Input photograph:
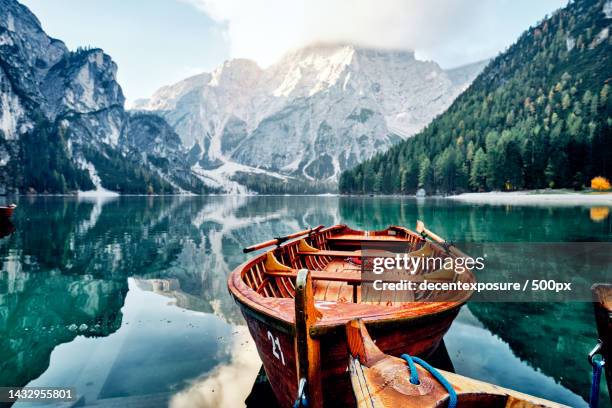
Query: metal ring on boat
{"type": "Point", "coordinates": [301, 401]}
{"type": "Point", "coordinates": [596, 351]}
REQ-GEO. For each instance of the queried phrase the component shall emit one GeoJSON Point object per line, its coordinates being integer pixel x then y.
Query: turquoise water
{"type": "Point", "coordinates": [126, 299]}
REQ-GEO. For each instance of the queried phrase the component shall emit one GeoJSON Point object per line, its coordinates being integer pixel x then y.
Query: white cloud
{"type": "Point", "coordinates": [449, 31]}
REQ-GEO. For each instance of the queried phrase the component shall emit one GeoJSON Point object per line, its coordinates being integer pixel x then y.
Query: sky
{"type": "Point", "coordinates": [159, 42]}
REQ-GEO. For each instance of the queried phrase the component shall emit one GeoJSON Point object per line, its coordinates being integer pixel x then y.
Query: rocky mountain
{"type": "Point", "coordinates": [300, 122]}
{"type": "Point", "coordinates": [63, 126]}
{"type": "Point", "coordinates": [538, 116]}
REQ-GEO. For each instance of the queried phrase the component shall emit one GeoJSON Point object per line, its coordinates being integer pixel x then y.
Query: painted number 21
{"type": "Point", "coordinates": [276, 348]}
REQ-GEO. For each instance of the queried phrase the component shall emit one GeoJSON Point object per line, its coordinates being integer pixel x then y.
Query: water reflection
{"type": "Point", "coordinates": [126, 299]}
{"type": "Point", "coordinates": [156, 352]}
{"type": "Point", "coordinates": [468, 337]}
{"type": "Point", "coordinates": [6, 227]}
{"type": "Point", "coordinates": [553, 338]}
{"type": "Point", "coordinates": [40, 309]}
{"type": "Point", "coordinates": [599, 214]}
{"type": "Point", "coordinates": [229, 384]}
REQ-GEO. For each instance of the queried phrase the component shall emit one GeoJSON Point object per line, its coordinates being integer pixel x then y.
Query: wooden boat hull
{"type": "Point", "coordinates": [271, 296]}
{"type": "Point", "coordinates": [6, 212]}
{"type": "Point", "coordinates": [276, 348]}
{"type": "Point", "coordinates": [6, 227]}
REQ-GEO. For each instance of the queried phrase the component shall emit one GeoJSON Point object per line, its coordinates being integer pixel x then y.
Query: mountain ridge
{"type": "Point", "coordinates": [317, 111]}
{"type": "Point", "coordinates": [291, 127]}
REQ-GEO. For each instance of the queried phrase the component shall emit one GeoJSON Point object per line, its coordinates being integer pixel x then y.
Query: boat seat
{"type": "Point", "coordinates": [369, 238]}
{"type": "Point", "coordinates": [338, 291]}
{"type": "Point", "coordinates": [370, 253]}
{"type": "Point", "coordinates": [336, 281]}
{"type": "Point", "coordinates": [342, 291]}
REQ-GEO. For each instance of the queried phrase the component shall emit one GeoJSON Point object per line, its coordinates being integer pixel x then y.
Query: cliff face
{"type": "Point", "coordinates": [63, 126]}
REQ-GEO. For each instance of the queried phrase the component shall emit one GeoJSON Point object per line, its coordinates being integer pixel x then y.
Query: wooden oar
{"type": "Point", "coordinates": [425, 233]}
{"type": "Point", "coordinates": [280, 240]}
{"type": "Point", "coordinates": [420, 228]}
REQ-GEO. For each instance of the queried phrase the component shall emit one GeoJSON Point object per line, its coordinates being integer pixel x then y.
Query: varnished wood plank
{"type": "Point", "coordinates": [320, 289]}
{"type": "Point", "coordinates": [257, 274]}
{"type": "Point", "coordinates": [307, 348]}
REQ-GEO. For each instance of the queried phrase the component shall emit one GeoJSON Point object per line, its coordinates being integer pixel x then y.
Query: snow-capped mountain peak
{"type": "Point", "coordinates": [310, 70]}
{"type": "Point", "coordinates": [317, 111]}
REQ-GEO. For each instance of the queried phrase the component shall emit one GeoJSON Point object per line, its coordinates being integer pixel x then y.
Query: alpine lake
{"type": "Point", "coordinates": [126, 299]}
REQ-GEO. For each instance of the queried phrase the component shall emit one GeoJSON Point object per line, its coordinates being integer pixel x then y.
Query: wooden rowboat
{"type": "Point", "coordinates": [6, 212]}
{"type": "Point", "coordinates": [382, 381]}
{"type": "Point", "coordinates": [268, 292]}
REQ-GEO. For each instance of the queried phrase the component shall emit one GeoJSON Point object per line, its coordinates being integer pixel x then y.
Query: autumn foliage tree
{"type": "Point", "coordinates": [600, 183]}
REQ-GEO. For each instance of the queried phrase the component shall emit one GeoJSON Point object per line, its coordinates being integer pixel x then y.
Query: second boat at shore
{"type": "Point", "coordinates": [6, 212]}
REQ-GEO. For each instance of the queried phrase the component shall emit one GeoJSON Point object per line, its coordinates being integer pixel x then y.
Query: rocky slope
{"type": "Point", "coordinates": [316, 112]}
{"type": "Point", "coordinates": [63, 126]}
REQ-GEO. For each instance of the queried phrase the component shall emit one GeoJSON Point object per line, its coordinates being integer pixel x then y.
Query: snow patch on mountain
{"type": "Point", "coordinates": [221, 177]}
{"type": "Point", "coordinates": [99, 191]}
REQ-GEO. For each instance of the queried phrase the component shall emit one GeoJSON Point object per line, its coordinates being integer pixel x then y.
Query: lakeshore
{"type": "Point", "coordinates": [536, 197]}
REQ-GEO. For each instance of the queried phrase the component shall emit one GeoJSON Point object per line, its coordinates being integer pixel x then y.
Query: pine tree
{"type": "Point", "coordinates": [377, 186]}
{"type": "Point", "coordinates": [478, 179]}
{"type": "Point", "coordinates": [425, 173]}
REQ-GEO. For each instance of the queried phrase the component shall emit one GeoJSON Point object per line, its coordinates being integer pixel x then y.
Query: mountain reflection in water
{"type": "Point", "coordinates": [126, 299]}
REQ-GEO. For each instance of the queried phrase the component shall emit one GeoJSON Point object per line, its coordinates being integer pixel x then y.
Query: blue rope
{"type": "Point", "coordinates": [594, 397]}
{"type": "Point", "coordinates": [414, 377]}
{"type": "Point", "coordinates": [414, 374]}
